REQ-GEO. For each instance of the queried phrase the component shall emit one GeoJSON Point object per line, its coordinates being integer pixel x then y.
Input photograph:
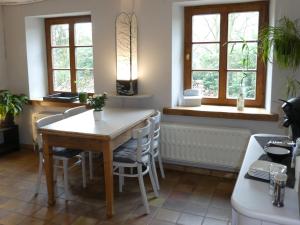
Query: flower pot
{"type": "Point", "coordinates": [98, 115]}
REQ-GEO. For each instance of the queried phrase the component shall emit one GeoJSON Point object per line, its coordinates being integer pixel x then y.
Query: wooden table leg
{"type": "Point", "coordinates": [108, 175]}
{"type": "Point", "coordinates": [49, 170]}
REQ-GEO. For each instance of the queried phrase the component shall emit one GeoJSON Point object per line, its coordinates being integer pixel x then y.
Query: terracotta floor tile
{"type": "Point", "coordinates": [159, 222]}
{"type": "Point", "coordinates": [219, 213]}
{"type": "Point", "coordinates": [84, 221]}
{"type": "Point", "coordinates": [63, 219]}
{"type": "Point", "coordinates": [197, 209]}
{"type": "Point", "coordinates": [185, 198]}
{"type": "Point", "coordinates": [33, 221]}
{"type": "Point", "coordinates": [189, 219]}
{"type": "Point", "coordinates": [12, 219]}
{"type": "Point", "coordinates": [209, 221]}
{"type": "Point", "coordinates": [167, 215]}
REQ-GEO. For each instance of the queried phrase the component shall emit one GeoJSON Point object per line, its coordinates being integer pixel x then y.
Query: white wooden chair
{"type": "Point", "coordinates": [72, 112]}
{"type": "Point", "coordinates": [155, 149]}
{"type": "Point", "coordinates": [139, 158]}
{"type": "Point", "coordinates": [59, 155]}
{"type": "Point", "coordinates": [156, 146]}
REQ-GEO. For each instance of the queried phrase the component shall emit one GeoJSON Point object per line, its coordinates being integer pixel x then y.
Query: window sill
{"type": "Point", "coordinates": [226, 112]}
{"type": "Point", "coordinates": [45, 103]}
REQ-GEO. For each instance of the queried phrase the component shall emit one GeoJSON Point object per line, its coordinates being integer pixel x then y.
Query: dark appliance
{"type": "Point", "coordinates": [291, 108]}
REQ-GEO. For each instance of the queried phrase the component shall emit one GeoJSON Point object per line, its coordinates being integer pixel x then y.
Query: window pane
{"type": "Point", "coordinates": [234, 81]}
{"type": "Point", "coordinates": [60, 35]}
{"type": "Point", "coordinates": [238, 58]}
{"type": "Point", "coordinates": [60, 58]}
{"type": "Point", "coordinates": [85, 81]}
{"type": "Point", "coordinates": [83, 34]}
{"type": "Point", "coordinates": [61, 80]}
{"type": "Point", "coordinates": [206, 28]}
{"type": "Point", "coordinates": [243, 26]}
{"type": "Point", "coordinates": [207, 81]}
{"type": "Point", "coordinates": [205, 56]}
{"type": "Point", "coordinates": [84, 58]}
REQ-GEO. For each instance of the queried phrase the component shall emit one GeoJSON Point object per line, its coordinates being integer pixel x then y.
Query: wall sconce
{"type": "Point", "coordinates": [126, 44]}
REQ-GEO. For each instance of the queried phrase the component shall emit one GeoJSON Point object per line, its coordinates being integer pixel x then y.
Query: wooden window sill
{"type": "Point", "coordinates": [45, 103]}
{"type": "Point", "coordinates": [226, 112]}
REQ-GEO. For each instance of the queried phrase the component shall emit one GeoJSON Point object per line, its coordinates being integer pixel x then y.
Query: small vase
{"type": "Point", "coordinates": [240, 102]}
{"type": "Point", "coordinates": [98, 115]}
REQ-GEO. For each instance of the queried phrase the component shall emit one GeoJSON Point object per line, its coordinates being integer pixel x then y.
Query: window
{"type": "Point", "coordinates": [69, 54]}
{"type": "Point", "coordinates": [221, 46]}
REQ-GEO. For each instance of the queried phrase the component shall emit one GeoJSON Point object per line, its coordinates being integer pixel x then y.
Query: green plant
{"type": "Point", "coordinates": [97, 102]}
{"type": "Point", "coordinates": [284, 39]}
{"type": "Point", "coordinates": [11, 105]}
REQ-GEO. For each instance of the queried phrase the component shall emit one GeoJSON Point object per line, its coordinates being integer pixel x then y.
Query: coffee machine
{"type": "Point", "coordinates": [291, 108]}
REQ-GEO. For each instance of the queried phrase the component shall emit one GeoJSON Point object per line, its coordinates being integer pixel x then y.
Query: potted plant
{"type": "Point", "coordinates": [97, 102]}
{"type": "Point", "coordinates": [284, 39]}
{"type": "Point", "coordinates": [11, 105]}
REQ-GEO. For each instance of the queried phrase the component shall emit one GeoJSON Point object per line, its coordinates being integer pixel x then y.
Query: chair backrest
{"type": "Point", "coordinates": [44, 122]}
{"type": "Point", "coordinates": [156, 120]}
{"type": "Point", "coordinates": [74, 111]}
{"type": "Point", "coordinates": [144, 136]}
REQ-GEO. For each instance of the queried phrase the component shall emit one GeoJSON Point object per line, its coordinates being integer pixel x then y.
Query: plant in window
{"type": "Point", "coordinates": [284, 40]}
{"type": "Point", "coordinates": [245, 62]}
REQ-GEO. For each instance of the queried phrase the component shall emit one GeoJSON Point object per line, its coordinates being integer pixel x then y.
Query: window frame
{"type": "Point", "coordinates": [71, 21]}
{"type": "Point", "coordinates": [224, 9]}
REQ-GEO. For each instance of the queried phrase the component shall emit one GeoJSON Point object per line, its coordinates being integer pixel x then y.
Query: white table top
{"type": "Point", "coordinates": [251, 198]}
{"type": "Point", "coordinates": [115, 121]}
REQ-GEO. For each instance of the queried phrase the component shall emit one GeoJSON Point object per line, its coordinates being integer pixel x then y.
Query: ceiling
{"type": "Point", "coordinates": [17, 2]}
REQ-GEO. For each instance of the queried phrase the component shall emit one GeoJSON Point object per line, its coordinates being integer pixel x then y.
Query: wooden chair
{"type": "Point", "coordinates": [72, 112]}
{"type": "Point", "coordinates": [155, 148]}
{"type": "Point", "coordinates": [139, 158]}
{"type": "Point", "coordinates": [59, 155]}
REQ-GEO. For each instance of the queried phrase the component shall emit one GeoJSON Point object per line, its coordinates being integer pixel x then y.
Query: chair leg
{"type": "Point", "coordinates": [55, 167]}
{"type": "Point", "coordinates": [121, 179]}
{"type": "Point", "coordinates": [142, 188]}
{"type": "Point", "coordinates": [153, 167]}
{"type": "Point", "coordinates": [83, 168]}
{"type": "Point", "coordinates": [66, 183]}
{"type": "Point", "coordinates": [161, 165]}
{"type": "Point", "coordinates": [152, 179]}
{"type": "Point", "coordinates": [40, 173]}
{"type": "Point", "coordinates": [91, 165]}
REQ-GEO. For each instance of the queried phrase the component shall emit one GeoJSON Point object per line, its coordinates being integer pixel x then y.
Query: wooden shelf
{"type": "Point", "coordinates": [226, 112]}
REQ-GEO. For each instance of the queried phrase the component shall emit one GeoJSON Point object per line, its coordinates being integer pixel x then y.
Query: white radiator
{"type": "Point", "coordinates": [202, 146]}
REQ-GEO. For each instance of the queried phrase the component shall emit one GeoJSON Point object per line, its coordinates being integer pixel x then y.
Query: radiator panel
{"type": "Point", "coordinates": [204, 146]}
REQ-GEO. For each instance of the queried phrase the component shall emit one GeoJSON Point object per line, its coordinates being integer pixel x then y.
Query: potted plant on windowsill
{"type": "Point", "coordinates": [284, 40]}
{"type": "Point", "coordinates": [11, 105]}
{"type": "Point", "coordinates": [97, 102]}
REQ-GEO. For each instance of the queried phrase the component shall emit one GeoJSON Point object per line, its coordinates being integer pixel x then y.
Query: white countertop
{"type": "Point", "coordinates": [251, 198]}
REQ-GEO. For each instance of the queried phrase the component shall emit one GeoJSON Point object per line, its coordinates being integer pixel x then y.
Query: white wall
{"type": "Point", "coordinates": [36, 57]}
{"type": "Point", "coordinates": [156, 50]}
{"type": "Point", "coordinates": [3, 75]}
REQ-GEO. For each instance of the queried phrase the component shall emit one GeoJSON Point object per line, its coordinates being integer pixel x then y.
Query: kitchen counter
{"type": "Point", "coordinates": [251, 202]}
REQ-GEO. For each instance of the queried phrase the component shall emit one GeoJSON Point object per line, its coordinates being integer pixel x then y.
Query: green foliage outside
{"type": "Point", "coordinates": [206, 56]}
{"type": "Point", "coordinates": [83, 58]}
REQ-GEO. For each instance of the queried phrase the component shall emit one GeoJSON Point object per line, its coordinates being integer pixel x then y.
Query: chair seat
{"type": "Point", "coordinates": [65, 152]}
{"type": "Point", "coordinates": [127, 155]}
{"type": "Point", "coordinates": [132, 143]}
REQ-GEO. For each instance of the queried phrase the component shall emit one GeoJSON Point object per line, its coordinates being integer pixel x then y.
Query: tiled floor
{"type": "Point", "coordinates": [187, 199]}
